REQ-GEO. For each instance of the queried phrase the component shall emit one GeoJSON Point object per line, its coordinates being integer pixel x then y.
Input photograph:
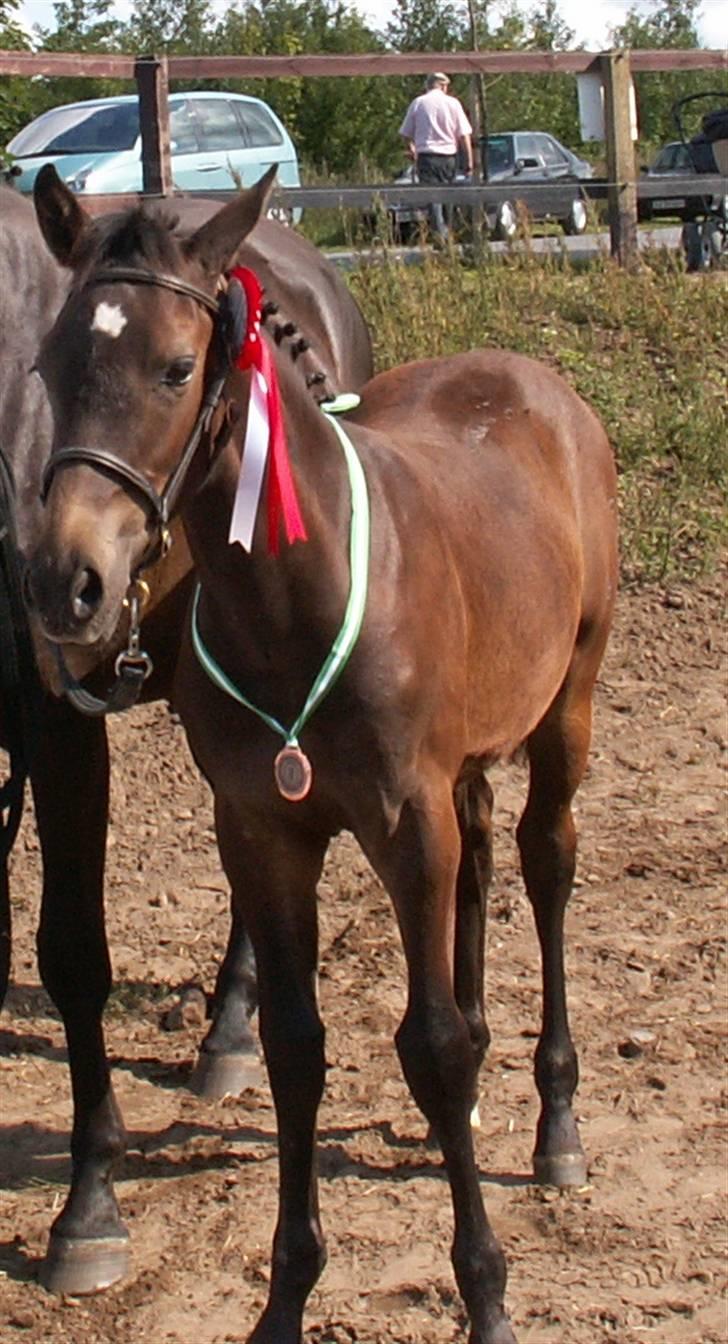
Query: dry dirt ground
{"type": "Point", "coordinates": [638, 1255]}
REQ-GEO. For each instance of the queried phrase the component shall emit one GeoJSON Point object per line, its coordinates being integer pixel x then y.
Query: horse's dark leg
{"type": "Point", "coordinates": [419, 865]}
{"type": "Point", "coordinates": [557, 752]}
{"type": "Point", "coordinates": [89, 1244]}
{"type": "Point", "coordinates": [228, 1061]}
{"type": "Point", "coordinates": [274, 882]}
{"type": "Point", "coordinates": [474, 804]}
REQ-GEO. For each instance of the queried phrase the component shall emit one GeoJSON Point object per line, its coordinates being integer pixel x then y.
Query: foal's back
{"type": "Point", "coordinates": [505, 499]}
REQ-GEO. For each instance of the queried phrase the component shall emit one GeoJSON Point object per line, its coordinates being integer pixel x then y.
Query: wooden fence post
{"type": "Point", "coordinates": [152, 82]}
{"type": "Point", "coordinates": [622, 191]}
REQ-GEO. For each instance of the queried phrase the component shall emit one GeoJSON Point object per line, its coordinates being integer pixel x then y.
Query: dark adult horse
{"type": "Point", "coordinates": [491, 558]}
{"type": "Point", "coordinates": [70, 775]}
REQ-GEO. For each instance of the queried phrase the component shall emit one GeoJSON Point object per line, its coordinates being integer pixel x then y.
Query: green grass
{"type": "Point", "coordinates": [646, 349]}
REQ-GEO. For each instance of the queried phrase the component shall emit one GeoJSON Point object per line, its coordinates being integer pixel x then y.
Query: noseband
{"type": "Point", "coordinates": [160, 504]}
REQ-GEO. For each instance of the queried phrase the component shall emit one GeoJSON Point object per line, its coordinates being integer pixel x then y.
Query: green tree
{"type": "Point", "coordinates": [16, 94]}
{"type": "Point", "coordinates": [546, 102]}
{"type": "Point", "coordinates": [337, 123]}
{"type": "Point", "coordinates": [158, 27]}
{"type": "Point", "coordinates": [668, 24]}
{"type": "Point", "coordinates": [541, 102]}
{"type": "Point", "coordinates": [548, 30]}
{"type": "Point", "coordinates": [81, 25]}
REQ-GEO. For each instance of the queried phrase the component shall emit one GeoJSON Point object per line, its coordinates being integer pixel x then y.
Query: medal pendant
{"type": "Point", "coordinates": [293, 774]}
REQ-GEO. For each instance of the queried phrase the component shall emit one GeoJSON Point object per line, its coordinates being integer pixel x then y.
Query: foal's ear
{"type": "Point", "coordinates": [62, 221]}
{"type": "Point", "coordinates": [214, 244]}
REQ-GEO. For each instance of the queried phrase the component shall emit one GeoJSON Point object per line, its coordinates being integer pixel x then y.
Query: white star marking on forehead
{"type": "Point", "coordinates": [110, 319]}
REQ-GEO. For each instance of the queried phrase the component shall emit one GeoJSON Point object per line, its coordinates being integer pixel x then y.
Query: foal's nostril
{"type": "Point", "coordinates": [86, 594]}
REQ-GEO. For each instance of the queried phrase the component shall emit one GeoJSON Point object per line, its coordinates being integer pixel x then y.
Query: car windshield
{"type": "Point", "coordinates": [500, 153]}
{"type": "Point", "coordinates": [79, 130]}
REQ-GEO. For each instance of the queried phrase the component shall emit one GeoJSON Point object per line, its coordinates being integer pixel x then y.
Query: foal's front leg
{"type": "Point", "coordinates": [273, 880]}
{"type": "Point", "coordinates": [419, 865]}
{"type": "Point", "coordinates": [88, 1246]}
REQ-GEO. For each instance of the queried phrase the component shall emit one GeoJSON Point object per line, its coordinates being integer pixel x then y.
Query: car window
{"type": "Point", "coordinates": [552, 156]}
{"type": "Point", "coordinates": [670, 158]}
{"type": "Point", "coordinates": [527, 147]}
{"type": "Point", "coordinates": [182, 129]}
{"type": "Point", "coordinates": [500, 153]}
{"type": "Point", "coordinates": [76, 130]}
{"type": "Point", "coordinates": [674, 158]}
{"type": "Point", "coordinates": [218, 127]}
{"type": "Point", "coordinates": [260, 128]}
{"type": "Point", "coordinates": [665, 159]}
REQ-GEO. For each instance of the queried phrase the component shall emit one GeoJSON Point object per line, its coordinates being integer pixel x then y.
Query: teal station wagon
{"type": "Point", "coordinates": [215, 138]}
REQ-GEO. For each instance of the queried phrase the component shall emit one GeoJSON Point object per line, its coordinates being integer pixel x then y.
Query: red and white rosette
{"type": "Point", "coordinates": [265, 439]}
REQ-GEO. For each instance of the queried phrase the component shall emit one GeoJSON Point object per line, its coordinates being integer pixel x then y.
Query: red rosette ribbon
{"type": "Point", "coordinates": [265, 437]}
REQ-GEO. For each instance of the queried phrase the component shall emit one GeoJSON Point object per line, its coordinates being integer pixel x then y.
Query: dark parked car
{"type": "Point", "coordinates": [531, 157]}
{"type": "Point", "coordinates": [683, 159]}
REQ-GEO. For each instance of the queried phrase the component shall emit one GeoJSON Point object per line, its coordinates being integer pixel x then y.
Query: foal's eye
{"type": "Point", "coordinates": [178, 373]}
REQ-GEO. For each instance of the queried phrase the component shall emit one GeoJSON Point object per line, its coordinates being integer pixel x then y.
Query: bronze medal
{"type": "Point", "coordinates": [293, 773]}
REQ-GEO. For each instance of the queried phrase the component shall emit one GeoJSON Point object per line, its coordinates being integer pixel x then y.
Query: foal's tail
{"type": "Point", "coordinates": [19, 703]}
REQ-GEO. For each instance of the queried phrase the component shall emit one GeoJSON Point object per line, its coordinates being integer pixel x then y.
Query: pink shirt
{"type": "Point", "coordinates": [435, 122]}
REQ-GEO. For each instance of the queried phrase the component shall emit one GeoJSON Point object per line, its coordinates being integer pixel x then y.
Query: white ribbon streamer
{"type": "Point", "coordinates": [252, 467]}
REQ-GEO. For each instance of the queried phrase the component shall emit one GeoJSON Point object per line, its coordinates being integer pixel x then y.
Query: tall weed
{"type": "Point", "coordinates": [646, 349]}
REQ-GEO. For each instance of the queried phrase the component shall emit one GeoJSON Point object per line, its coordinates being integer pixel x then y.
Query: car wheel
{"type": "Point", "coordinates": [407, 232]}
{"type": "Point", "coordinates": [506, 221]}
{"type": "Point", "coordinates": [697, 256]}
{"type": "Point", "coordinates": [577, 218]}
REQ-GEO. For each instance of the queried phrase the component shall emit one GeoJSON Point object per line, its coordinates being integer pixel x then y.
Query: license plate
{"type": "Point", "coordinates": [674, 203]}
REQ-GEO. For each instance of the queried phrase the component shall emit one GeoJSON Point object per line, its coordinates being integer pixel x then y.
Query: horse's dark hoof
{"type": "Point", "coordinates": [503, 1334]}
{"type": "Point", "coordinates": [561, 1169]}
{"type": "Point", "coordinates": [78, 1265]}
{"type": "Point", "coordinates": [218, 1076]}
{"type": "Point", "coordinates": [500, 1333]}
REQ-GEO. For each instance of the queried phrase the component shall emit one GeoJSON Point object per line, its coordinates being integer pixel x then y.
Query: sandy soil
{"type": "Point", "coordinates": [638, 1255]}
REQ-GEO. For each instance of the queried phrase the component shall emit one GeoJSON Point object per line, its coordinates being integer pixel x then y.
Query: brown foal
{"type": "Point", "coordinates": [491, 554]}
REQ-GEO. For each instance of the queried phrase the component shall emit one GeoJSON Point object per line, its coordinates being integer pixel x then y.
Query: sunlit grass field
{"type": "Point", "coordinates": [648, 349]}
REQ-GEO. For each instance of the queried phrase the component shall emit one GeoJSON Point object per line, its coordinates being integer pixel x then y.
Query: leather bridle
{"type": "Point", "coordinates": [161, 504]}
{"type": "Point", "coordinates": [133, 666]}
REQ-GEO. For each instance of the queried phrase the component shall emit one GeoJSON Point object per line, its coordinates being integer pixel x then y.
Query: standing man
{"type": "Point", "coordinates": [434, 126]}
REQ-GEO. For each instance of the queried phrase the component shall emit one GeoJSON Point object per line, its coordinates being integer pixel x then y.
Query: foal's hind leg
{"type": "Point", "coordinates": [474, 806]}
{"type": "Point", "coordinates": [557, 751]}
{"type": "Point", "coordinates": [228, 1060]}
{"type": "Point", "coordinates": [88, 1247]}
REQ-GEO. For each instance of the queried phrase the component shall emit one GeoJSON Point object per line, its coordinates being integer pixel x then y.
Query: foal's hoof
{"type": "Point", "coordinates": [561, 1169]}
{"type": "Point", "coordinates": [500, 1333]}
{"type": "Point", "coordinates": [218, 1076]}
{"type": "Point", "coordinates": [78, 1265]}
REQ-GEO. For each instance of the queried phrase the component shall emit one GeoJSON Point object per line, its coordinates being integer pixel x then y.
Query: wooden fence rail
{"type": "Point", "coordinates": [622, 190]}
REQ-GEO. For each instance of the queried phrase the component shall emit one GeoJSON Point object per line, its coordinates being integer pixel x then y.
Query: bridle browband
{"type": "Point", "coordinates": [133, 666]}
{"type": "Point", "coordinates": [161, 503]}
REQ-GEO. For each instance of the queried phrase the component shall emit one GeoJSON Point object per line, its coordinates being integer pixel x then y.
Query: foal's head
{"type": "Point", "coordinates": [127, 365]}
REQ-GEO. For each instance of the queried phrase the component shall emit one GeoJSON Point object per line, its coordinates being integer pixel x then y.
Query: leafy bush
{"type": "Point", "coordinates": [646, 349]}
